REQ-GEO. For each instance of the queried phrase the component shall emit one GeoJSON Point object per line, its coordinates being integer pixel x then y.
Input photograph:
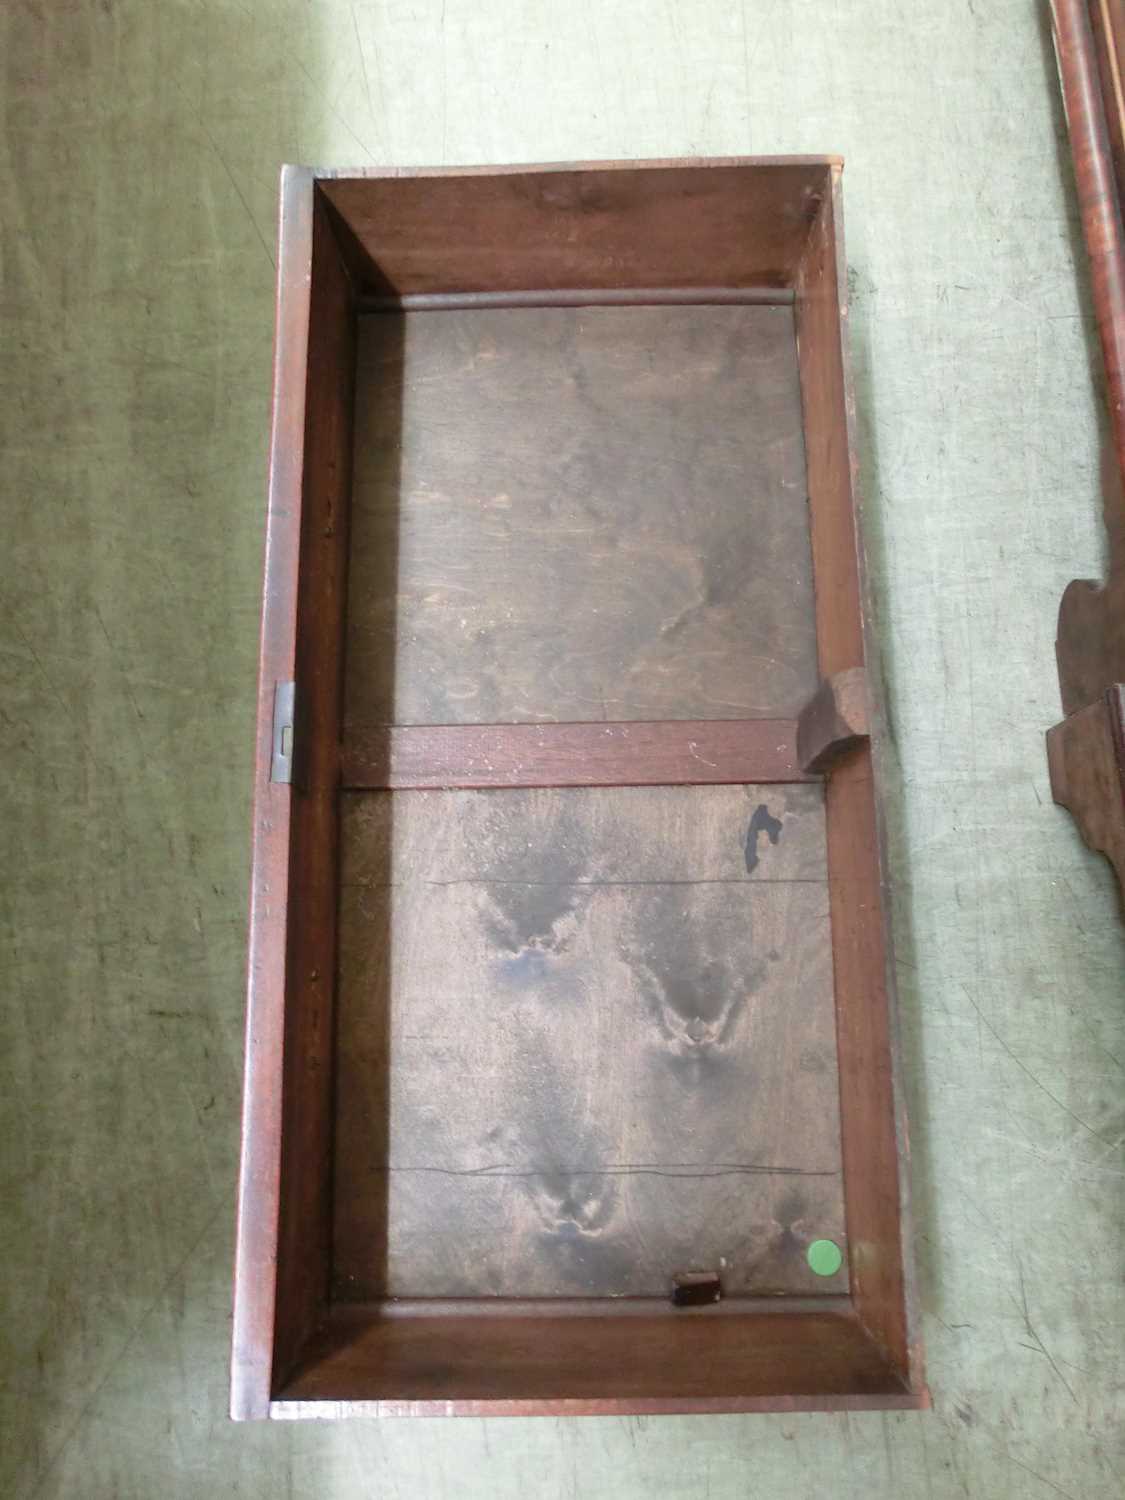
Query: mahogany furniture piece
{"type": "Point", "coordinates": [571, 1077]}
{"type": "Point", "coordinates": [1086, 752]}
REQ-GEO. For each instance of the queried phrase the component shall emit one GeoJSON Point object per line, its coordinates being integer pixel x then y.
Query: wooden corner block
{"type": "Point", "coordinates": [834, 720]}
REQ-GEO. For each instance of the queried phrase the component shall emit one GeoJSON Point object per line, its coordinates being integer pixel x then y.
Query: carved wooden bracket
{"type": "Point", "coordinates": [1086, 756]}
{"type": "Point", "coordinates": [834, 720]}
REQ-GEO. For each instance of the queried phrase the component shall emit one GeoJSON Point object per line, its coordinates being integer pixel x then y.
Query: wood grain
{"type": "Point", "coordinates": [259, 1183]}
{"type": "Point", "coordinates": [834, 721]}
{"type": "Point", "coordinates": [1107, 25]}
{"type": "Point", "coordinates": [304, 1225]}
{"type": "Point", "coordinates": [1097, 193]}
{"type": "Point", "coordinates": [829, 455]}
{"type": "Point", "coordinates": [677, 752]}
{"type": "Point", "coordinates": [1086, 756]}
{"type": "Point", "coordinates": [1090, 639]}
{"type": "Point", "coordinates": [1090, 41]}
{"type": "Point", "coordinates": [282, 1250]}
{"type": "Point", "coordinates": [579, 514]}
{"type": "Point", "coordinates": [763, 1357]}
{"type": "Point", "coordinates": [628, 1070]}
{"type": "Point", "coordinates": [586, 1039]}
{"type": "Point", "coordinates": [1090, 644]}
{"type": "Point", "coordinates": [873, 1137]}
{"type": "Point", "coordinates": [658, 224]}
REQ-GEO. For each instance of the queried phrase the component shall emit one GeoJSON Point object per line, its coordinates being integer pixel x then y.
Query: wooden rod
{"type": "Point", "coordinates": [688, 296]}
{"type": "Point", "coordinates": [1097, 194]}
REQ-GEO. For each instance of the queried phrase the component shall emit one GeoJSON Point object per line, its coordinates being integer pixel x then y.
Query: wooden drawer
{"type": "Point", "coordinates": [571, 1078]}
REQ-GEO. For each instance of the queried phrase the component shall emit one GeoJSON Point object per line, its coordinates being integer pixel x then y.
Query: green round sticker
{"type": "Point", "coordinates": [825, 1258]}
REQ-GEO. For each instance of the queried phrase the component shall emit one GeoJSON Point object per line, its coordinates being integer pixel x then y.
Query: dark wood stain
{"type": "Point", "coordinates": [624, 1020]}
{"type": "Point", "coordinates": [1084, 49]}
{"type": "Point", "coordinates": [1086, 757]}
{"type": "Point", "coordinates": [517, 1056]}
{"type": "Point", "coordinates": [1086, 753]}
{"type": "Point", "coordinates": [872, 1116]}
{"type": "Point", "coordinates": [762, 822]}
{"type": "Point", "coordinates": [599, 514]}
{"type": "Point", "coordinates": [304, 1228]}
{"type": "Point", "coordinates": [730, 1357]}
{"type": "Point", "coordinates": [656, 224]}
{"type": "Point", "coordinates": [835, 721]}
{"type": "Point", "coordinates": [253, 1341]}
{"type": "Point", "coordinates": [1090, 42]}
{"type": "Point", "coordinates": [676, 752]}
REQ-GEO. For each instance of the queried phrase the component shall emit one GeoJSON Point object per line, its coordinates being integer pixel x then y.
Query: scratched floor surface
{"type": "Point", "coordinates": [142, 140]}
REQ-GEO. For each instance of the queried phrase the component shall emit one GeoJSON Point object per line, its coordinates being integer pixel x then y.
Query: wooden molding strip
{"type": "Point", "coordinates": [632, 296]}
{"type": "Point", "coordinates": [687, 752]}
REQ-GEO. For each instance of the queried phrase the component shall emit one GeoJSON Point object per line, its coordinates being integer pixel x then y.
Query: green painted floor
{"type": "Point", "coordinates": [138, 182]}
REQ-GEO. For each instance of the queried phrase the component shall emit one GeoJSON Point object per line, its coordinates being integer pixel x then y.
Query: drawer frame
{"type": "Point", "coordinates": [735, 229]}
